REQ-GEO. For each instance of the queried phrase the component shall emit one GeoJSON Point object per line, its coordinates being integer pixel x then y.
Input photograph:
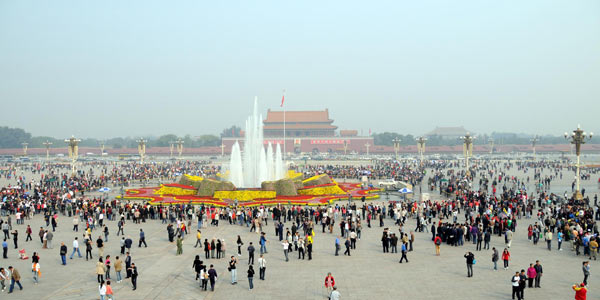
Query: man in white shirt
{"type": "Point", "coordinates": [75, 248]}
{"type": "Point", "coordinates": [262, 266]}
{"type": "Point", "coordinates": [335, 295]}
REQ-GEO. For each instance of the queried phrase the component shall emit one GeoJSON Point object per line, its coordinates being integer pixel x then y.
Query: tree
{"type": "Point", "coordinates": [13, 137]}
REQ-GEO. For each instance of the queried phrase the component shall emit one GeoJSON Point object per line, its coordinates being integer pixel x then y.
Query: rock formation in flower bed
{"type": "Point", "coordinates": [317, 180]}
{"type": "Point", "coordinates": [208, 187]}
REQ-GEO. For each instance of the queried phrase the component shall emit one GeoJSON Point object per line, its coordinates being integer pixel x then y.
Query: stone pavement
{"type": "Point", "coordinates": [367, 274]}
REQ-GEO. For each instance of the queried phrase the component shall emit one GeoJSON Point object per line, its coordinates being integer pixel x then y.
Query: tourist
{"type": "Point", "coordinates": [348, 245]}
{"type": "Point", "coordinates": [198, 239]}
{"type": "Point", "coordinates": [250, 276]}
{"type": "Point", "coordinates": [495, 258]}
{"type": "Point", "coordinates": [109, 291]}
{"type": "Point", "coordinates": [35, 269]}
{"type": "Point", "coordinates": [437, 242]}
{"type": "Point", "coordinates": [286, 246]}
{"type": "Point", "coordinates": [212, 276]}
{"type": "Point", "coordinates": [15, 277]}
{"type": "Point", "coordinates": [263, 243]}
{"type": "Point", "coordinates": [515, 286]}
{"type": "Point", "coordinates": [335, 295]}
{"type": "Point", "coordinates": [531, 274]}
{"type": "Point", "coordinates": [100, 270]}
{"type": "Point", "coordinates": [538, 273]}
{"type": "Point", "coordinates": [251, 254]}
{"type": "Point", "coordinates": [337, 245]}
{"type": "Point", "coordinates": [75, 248]}
{"type": "Point", "coordinates": [118, 268]}
{"type": "Point", "coordinates": [4, 276]}
{"type": "Point", "coordinates": [233, 270]}
{"type": "Point", "coordinates": [580, 291]}
{"type": "Point", "coordinates": [204, 278]}
{"type": "Point", "coordinates": [206, 249]}
{"type": "Point", "coordinates": [470, 259]}
{"type": "Point", "coordinates": [4, 249]}
{"type": "Point", "coordinates": [128, 265]}
{"type": "Point", "coordinates": [134, 275]}
{"type": "Point", "coordinates": [102, 290]}
{"type": "Point", "coordinates": [262, 267]}
{"type": "Point", "coordinates": [403, 250]}
{"type": "Point", "coordinates": [239, 244]}
{"type": "Point", "coordinates": [142, 239]}
{"type": "Point", "coordinates": [179, 245]}
{"type": "Point", "coordinates": [505, 258]}
{"type": "Point", "coordinates": [522, 283]}
{"type": "Point", "coordinates": [63, 253]}
{"type": "Point", "coordinates": [329, 283]}
{"type": "Point", "coordinates": [107, 265]}
{"type": "Point", "coordinates": [586, 271]}
{"type": "Point", "coordinates": [88, 250]}
{"type": "Point", "coordinates": [197, 266]}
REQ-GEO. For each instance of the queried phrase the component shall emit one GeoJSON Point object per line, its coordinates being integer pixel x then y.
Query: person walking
{"type": "Point", "coordinates": [239, 244]}
{"type": "Point", "coordinates": [233, 270]}
{"type": "Point", "coordinates": [204, 277]}
{"type": "Point", "coordinates": [88, 250]}
{"type": "Point", "coordinates": [495, 258]}
{"type": "Point", "coordinates": [107, 265]}
{"type": "Point", "coordinates": [337, 246]}
{"type": "Point", "coordinates": [250, 276]}
{"type": "Point", "coordinates": [538, 273]}
{"type": "Point", "coordinates": [586, 271]}
{"type": "Point", "coordinates": [198, 239]}
{"type": "Point", "coordinates": [128, 266]}
{"type": "Point", "coordinates": [4, 249]}
{"type": "Point", "coordinates": [15, 277]}
{"type": "Point", "coordinates": [35, 269]}
{"type": "Point", "coordinates": [142, 239]}
{"type": "Point", "coordinates": [4, 276]}
{"type": "Point", "coordinates": [75, 248]}
{"type": "Point", "coordinates": [251, 250]}
{"type": "Point", "coordinates": [212, 276]}
{"type": "Point", "coordinates": [470, 259]}
{"type": "Point", "coordinates": [549, 239]}
{"type": "Point", "coordinates": [515, 286]}
{"type": "Point", "coordinates": [348, 244]}
{"type": "Point", "coordinates": [262, 267]}
{"type": "Point", "coordinates": [404, 250]}
{"type": "Point", "coordinates": [505, 258]}
{"type": "Point", "coordinates": [580, 291]}
{"type": "Point", "coordinates": [197, 266]}
{"type": "Point", "coordinates": [329, 283]}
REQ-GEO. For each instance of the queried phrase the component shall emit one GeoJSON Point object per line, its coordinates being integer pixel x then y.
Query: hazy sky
{"type": "Point", "coordinates": [129, 68]}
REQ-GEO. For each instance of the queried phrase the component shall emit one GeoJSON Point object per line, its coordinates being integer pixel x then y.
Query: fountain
{"type": "Point", "coordinates": [250, 168]}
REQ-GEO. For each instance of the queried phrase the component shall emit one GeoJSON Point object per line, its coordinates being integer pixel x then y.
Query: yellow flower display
{"type": "Point", "coordinates": [193, 177]}
{"type": "Point", "coordinates": [175, 191]}
{"type": "Point", "coordinates": [291, 174]}
{"type": "Point", "coordinates": [245, 195]}
{"type": "Point", "coordinates": [324, 190]}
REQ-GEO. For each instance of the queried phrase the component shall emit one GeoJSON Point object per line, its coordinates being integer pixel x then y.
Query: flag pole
{"type": "Point", "coordinates": [282, 100]}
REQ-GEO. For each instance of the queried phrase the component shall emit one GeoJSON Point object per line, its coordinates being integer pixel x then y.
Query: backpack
{"type": "Point", "coordinates": [438, 242]}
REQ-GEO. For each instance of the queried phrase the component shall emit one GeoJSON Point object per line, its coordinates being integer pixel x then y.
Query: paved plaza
{"type": "Point", "coordinates": [367, 274]}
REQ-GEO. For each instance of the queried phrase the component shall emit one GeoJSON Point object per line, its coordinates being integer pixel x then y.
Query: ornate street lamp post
{"type": "Point", "coordinates": [171, 146]}
{"type": "Point", "coordinates": [222, 149]}
{"type": "Point", "coordinates": [47, 144]}
{"type": "Point", "coordinates": [367, 145]}
{"type": "Point", "coordinates": [142, 149]}
{"type": "Point", "coordinates": [396, 146]}
{"type": "Point", "coordinates": [491, 141]}
{"type": "Point", "coordinates": [534, 141]}
{"type": "Point", "coordinates": [25, 148]}
{"type": "Point", "coordinates": [345, 147]}
{"type": "Point", "coordinates": [467, 150]}
{"type": "Point", "coordinates": [578, 137]}
{"type": "Point", "coordinates": [421, 146]}
{"type": "Point", "coordinates": [101, 148]}
{"type": "Point", "coordinates": [73, 147]}
{"type": "Point", "coordinates": [179, 146]}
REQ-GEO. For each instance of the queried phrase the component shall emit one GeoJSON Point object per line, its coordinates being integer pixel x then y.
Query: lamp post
{"type": "Point", "coordinates": [491, 141]}
{"type": "Point", "coordinates": [25, 148]}
{"type": "Point", "coordinates": [142, 149]}
{"type": "Point", "coordinates": [396, 146]}
{"type": "Point", "coordinates": [222, 149]}
{"type": "Point", "coordinates": [72, 146]}
{"type": "Point", "coordinates": [102, 148]}
{"type": "Point", "coordinates": [367, 145]}
{"type": "Point", "coordinates": [578, 137]}
{"type": "Point", "coordinates": [467, 150]}
{"type": "Point", "coordinates": [47, 144]}
{"type": "Point", "coordinates": [171, 146]}
{"type": "Point", "coordinates": [179, 144]}
{"type": "Point", "coordinates": [421, 146]}
{"type": "Point", "coordinates": [345, 147]}
{"type": "Point", "coordinates": [534, 141]}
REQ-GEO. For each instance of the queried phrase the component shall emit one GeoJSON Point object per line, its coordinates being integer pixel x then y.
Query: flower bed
{"type": "Point", "coordinates": [244, 195]}
{"type": "Point", "coordinates": [176, 190]}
